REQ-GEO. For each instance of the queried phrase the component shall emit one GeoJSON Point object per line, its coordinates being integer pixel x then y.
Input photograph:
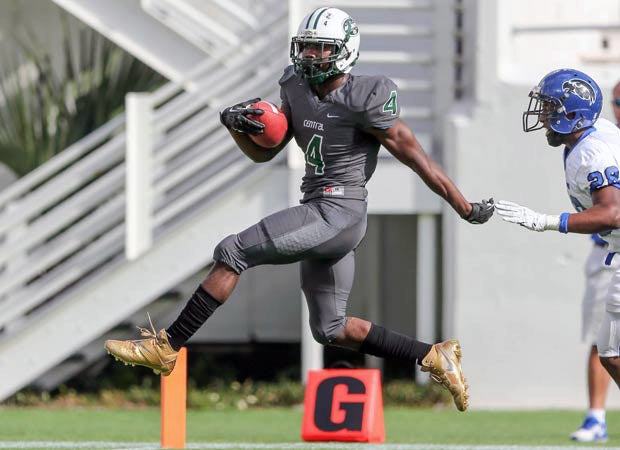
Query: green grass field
{"type": "Point", "coordinates": [405, 429]}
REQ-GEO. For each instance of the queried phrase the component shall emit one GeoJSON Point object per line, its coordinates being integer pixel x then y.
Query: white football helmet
{"type": "Point", "coordinates": [326, 26]}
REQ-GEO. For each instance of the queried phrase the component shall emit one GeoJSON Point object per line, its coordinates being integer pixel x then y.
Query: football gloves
{"type": "Point", "coordinates": [481, 212]}
{"type": "Point", "coordinates": [234, 118]}
{"type": "Point", "coordinates": [515, 213]}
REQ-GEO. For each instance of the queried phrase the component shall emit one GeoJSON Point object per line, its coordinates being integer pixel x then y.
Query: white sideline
{"type": "Point", "coordinates": [92, 445]}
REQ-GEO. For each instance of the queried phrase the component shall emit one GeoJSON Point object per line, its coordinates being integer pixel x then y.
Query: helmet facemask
{"type": "Point", "coordinates": [541, 108]}
{"type": "Point", "coordinates": [317, 70]}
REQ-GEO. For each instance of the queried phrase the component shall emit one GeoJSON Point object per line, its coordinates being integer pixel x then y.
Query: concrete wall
{"type": "Point", "coordinates": [533, 34]}
{"type": "Point", "coordinates": [512, 296]}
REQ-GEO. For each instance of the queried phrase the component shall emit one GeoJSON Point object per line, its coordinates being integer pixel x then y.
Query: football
{"type": "Point", "coordinates": [275, 122]}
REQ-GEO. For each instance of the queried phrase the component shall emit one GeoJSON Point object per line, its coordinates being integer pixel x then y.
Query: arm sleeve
{"type": "Point", "coordinates": [283, 97]}
{"type": "Point", "coordinates": [287, 75]}
{"type": "Point", "coordinates": [382, 108]}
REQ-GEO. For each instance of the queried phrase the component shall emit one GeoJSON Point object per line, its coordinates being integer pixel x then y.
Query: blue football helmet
{"type": "Point", "coordinates": [570, 99]}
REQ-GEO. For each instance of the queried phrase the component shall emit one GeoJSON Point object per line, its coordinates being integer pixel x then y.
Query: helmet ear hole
{"type": "Point", "coordinates": [346, 50]}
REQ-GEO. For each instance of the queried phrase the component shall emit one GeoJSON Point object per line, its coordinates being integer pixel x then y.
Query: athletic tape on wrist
{"type": "Point", "coordinates": [563, 223]}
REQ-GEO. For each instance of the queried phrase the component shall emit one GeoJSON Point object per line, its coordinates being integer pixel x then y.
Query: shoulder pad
{"type": "Point", "coordinates": [380, 85]}
{"type": "Point", "coordinates": [289, 72]}
{"type": "Point", "coordinates": [366, 89]}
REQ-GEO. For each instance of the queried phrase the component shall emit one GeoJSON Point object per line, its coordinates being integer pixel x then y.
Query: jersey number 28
{"type": "Point", "coordinates": [596, 178]}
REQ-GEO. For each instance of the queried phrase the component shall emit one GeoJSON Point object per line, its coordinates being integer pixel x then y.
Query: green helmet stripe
{"type": "Point", "coordinates": [310, 18]}
{"type": "Point", "coordinates": [316, 21]}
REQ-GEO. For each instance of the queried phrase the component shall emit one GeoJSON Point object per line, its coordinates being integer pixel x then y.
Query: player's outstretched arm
{"type": "Point", "coordinates": [604, 215]}
{"type": "Point", "coordinates": [400, 141]}
{"type": "Point", "coordinates": [240, 127]}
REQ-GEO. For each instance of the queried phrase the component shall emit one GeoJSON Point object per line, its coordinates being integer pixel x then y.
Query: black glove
{"type": "Point", "coordinates": [481, 212]}
{"type": "Point", "coordinates": [234, 118]}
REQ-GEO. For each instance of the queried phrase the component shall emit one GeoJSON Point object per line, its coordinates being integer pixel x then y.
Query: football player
{"type": "Point", "coordinates": [567, 104]}
{"type": "Point", "coordinates": [339, 121]}
{"type": "Point", "coordinates": [615, 102]}
{"type": "Point", "coordinates": [598, 276]}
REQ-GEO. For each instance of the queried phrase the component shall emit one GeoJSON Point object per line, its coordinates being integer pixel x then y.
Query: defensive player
{"type": "Point", "coordinates": [339, 121]}
{"type": "Point", "coordinates": [615, 102]}
{"type": "Point", "coordinates": [567, 103]}
{"type": "Point", "coordinates": [598, 276]}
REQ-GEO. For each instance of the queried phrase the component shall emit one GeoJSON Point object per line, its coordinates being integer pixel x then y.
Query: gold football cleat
{"type": "Point", "coordinates": [444, 364]}
{"type": "Point", "coordinates": [154, 352]}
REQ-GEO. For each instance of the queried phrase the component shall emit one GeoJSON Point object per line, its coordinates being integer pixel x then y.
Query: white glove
{"type": "Point", "coordinates": [512, 212]}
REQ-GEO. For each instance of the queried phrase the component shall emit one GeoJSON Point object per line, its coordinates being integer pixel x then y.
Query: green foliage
{"type": "Point", "coordinates": [46, 105]}
{"type": "Point", "coordinates": [226, 395]}
{"type": "Point", "coordinates": [406, 393]}
{"type": "Point", "coordinates": [247, 395]}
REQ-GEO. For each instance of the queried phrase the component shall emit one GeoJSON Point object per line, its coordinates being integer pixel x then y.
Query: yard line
{"type": "Point", "coordinates": [91, 445]}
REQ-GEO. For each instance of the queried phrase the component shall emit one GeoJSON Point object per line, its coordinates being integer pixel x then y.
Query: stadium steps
{"type": "Point", "coordinates": [88, 355]}
{"type": "Point", "coordinates": [173, 36]}
{"type": "Point", "coordinates": [61, 327]}
{"type": "Point", "coordinates": [64, 277]}
{"type": "Point", "coordinates": [129, 26]}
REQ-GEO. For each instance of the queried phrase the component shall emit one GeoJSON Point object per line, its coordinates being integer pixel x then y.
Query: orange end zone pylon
{"type": "Point", "coordinates": [173, 404]}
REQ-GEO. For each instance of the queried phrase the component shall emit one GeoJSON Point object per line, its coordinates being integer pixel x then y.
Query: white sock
{"type": "Point", "coordinates": [598, 414]}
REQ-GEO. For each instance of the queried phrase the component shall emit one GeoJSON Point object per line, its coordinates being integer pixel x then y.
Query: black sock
{"type": "Point", "coordinates": [198, 309]}
{"type": "Point", "coordinates": [389, 344]}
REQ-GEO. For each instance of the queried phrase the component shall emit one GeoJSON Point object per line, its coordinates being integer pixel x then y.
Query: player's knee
{"type": "Point", "coordinates": [227, 252]}
{"type": "Point", "coordinates": [319, 335]}
{"type": "Point", "coordinates": [326, 332]}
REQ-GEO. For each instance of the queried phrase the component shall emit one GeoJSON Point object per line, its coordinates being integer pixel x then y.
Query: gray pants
{"type": "Point", "coordinates": [323, 234]}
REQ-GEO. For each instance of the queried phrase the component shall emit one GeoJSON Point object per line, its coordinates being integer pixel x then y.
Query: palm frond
{"type": "Point", "coordinates": [63, 101]}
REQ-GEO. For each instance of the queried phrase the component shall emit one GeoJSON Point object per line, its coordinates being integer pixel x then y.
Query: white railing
{"type": "Point", "coordinates": [65, 221]}
{"type": "Point", "coordinates": [571, 28]}
{"type": "Point", "coordinates": [211, 24]}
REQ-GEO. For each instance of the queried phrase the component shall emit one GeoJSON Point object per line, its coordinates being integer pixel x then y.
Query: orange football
{"type": "Point", "coordinates": [275, 122]}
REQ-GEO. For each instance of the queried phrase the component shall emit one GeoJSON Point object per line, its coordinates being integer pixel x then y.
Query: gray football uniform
{"type": "Point", "coordinates": [324, 231]}
{"type": "Point", "coordinates": [330, 131]}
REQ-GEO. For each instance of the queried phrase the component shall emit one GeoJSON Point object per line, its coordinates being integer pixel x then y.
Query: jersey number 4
{"type": "Point", "coordinates": [314, 157]}
{"type": "Point", "coordinates": [390, 104]}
